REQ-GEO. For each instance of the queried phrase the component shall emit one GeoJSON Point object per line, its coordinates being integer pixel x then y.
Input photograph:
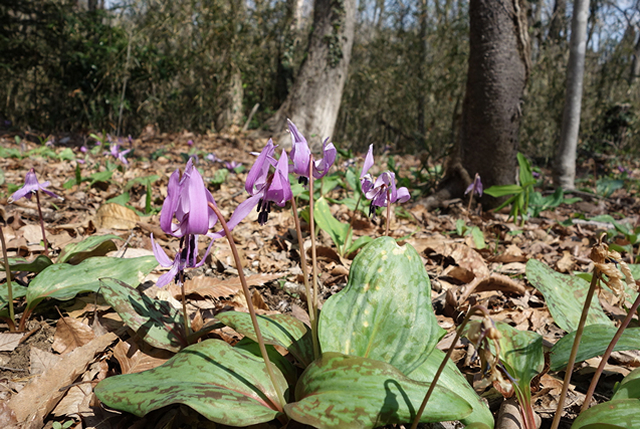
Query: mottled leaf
{"type": "Point", "coordinates": [565, 296]}
{"type": "Point", "coordinates": [521, 353]}
{"type": "Point", "coordinates": [452, 379]}
{"type": "Point", "coordinates": [98, 245]}
{"type": "Point", "coordinates": [64, 281]}
{"type": "Point", "coordinates": [618, 414]}
{"type": "Point", "coordinates": [629, 387]}
{"type": "Point", "coordinates": [156, 322]}
{"type": "Point", "coordinates": [277, 329]}
{"type": "Point", "coordinates": [594, 342]}
{"type": "Point", "coordinates": [224, 384]}
{"type": "Point", "coordinates": [22, 264]}
{"type": "Point", "coordinates": [384, 312]}
{"type": "Point", "coordinates": [17, 290]}
{"type": "Point", "coordinates": [348, 392]}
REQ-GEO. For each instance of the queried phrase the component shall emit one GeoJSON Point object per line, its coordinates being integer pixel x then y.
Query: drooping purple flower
{"type": "Point", "coordinates": [185, 211]}
{"type": "Point", "coordinates": [186, 257]}
{"type": "Point", "coordinates": [232, 165]}
{"type": "Point", "coordinates": [266, 187]}
{"type": "Point", "coordinates": [212, 157]}
{"type": "Point", "coordinates": [83, 149]}
{"type": "Point", "coordinates": [382, 190]}
{"type": "Point", "coordinates": [190, 142]}
{"type": "Point", "coordinates": [117, 153]}
{"type": "Point", "coordinates": [300, 154]}
{"type": "Point", "coordinates": [475, 187]}
{"type": "Point", "coordinates": [31, 186]}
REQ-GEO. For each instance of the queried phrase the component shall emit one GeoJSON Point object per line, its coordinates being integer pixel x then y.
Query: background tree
{"type": "Point", "coordinates": [314, 99]}
{"type": "Point", "coordinates": [498, 67]}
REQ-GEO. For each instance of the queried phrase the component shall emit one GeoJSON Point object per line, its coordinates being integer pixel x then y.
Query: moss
{"type": "Point", "coordinates": [333, 39]}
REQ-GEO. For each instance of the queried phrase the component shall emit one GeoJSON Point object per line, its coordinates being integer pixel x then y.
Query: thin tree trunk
{"type": "Point", "coordinates": [314, 99]}
{"type": "Point", "coordinates": [635, 64]}
{"type": "Point", "coordinates": [421, 70]}
{"type": "Point", "coordinates": [565, 163]}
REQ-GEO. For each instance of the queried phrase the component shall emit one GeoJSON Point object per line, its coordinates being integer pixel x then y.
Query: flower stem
{"type": "Point", "coordinates": [44, 235]}
{"type": "Point", "coordinates": [252, 311]}
{"type": "Point", "coordinates": [386, 231]}
{"type": "Point", "coordinates": [607, 353]}
{"type": "Point", "coordinates": [574, 349]}
{"type": "Point", "coordinates": [471, 312]}
{"type": "Point", "coordinates": [470, 201]}
{"type": "Point", "coordinates": [187, 331]}
{"type": "Point", "coordinates": [314, 262]}
{"type": "Point", "coordinates": [7, 270]}
{"type": "Point", "coordinates": [303, 264]}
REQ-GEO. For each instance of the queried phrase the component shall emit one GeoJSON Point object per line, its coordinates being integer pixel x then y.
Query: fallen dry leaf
{"type": "Point", "coordinates": [132, 359]}
{"type": "Point", "coordinates": [10, 340]}
{"type": "Point", "coordinates": [41, 395]}
{"type": "Point", "coordinates": [115, 216]}
{"type": "Point", "coordinates": [41, 361]}
{"type": "Point", "coordinates": [215, 288]}
{"type": "Point", "coordinates": [70, 334]}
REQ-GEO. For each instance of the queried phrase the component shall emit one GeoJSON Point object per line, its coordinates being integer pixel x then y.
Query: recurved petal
{"type": "Point", "coordinates": [329, 153]}
{"type": "Point", "coordinates": [170, 203]}
{"type": "Point", "coordinates": [403, 195]}
{"type": "Point", "coordinates": [368, 161]}
{"type": "Point", "coordinates": [257, 176]}
{"type": "Point", "coordinates": [280, 189]}
{"type": "Point", "coordinates": [160, 254]}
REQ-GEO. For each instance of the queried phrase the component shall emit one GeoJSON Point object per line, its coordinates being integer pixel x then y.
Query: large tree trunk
{"type": "Point", "coordinates": [565, 161]}
{"type": "Point", "coordinates": [498, 69]}
{"type": "Point", "coordinates": [314, 99]}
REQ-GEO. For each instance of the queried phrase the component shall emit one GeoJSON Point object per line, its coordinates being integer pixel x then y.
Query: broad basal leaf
{"type": "Point", "coordinates": [629, 387]}
{"type": "Point", "coordinates": [348, 392]}
{"type": "Point", "coordinates": [224, 384]}
{"type": "Point", "coordinates": [96, 245]}
{"type": "Point", "coordinates": [156, 322]}
{"type": "Point", "coordinates": [594, 342]}
{"type": "Point", "coordinates": [17, 290]}
{"type": "Point", "coordinates": [618, 414]}
{"type": "Point", "coordinates": [277, 329]}
{"type": "Point", "coordinates": [22, 264]}
{"type": "Point", "coordinates": [452, 379]}
{"type": "Point", "coordinates": [521, 353]}
{"type": "Point", "coordinates": [64, 281]}
{"type": "Point", "coordinates": [565, 296]}
{"type": "Point", "coordinates": [384, 312]}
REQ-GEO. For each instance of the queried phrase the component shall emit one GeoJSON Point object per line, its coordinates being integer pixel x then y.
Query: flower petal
{"type": "Point", "coordinates": [160, 254]}
{"type": "Point", "coordinates": [403, 195]}
{"type": "Point", "coordinates": [257, 176]}
{"type": "Point", "coordinates": [300, 151]}
{"type": "Point", "coordinates": [279, 190]}
{"type": "Point", "coordinates": [171, 203]}
{"type": "Point", "coordinates": [242, 211]}
{"type": "Point", "coordinates": [329, 153]}
{"type": "Point", "coordinates": [368, 162]}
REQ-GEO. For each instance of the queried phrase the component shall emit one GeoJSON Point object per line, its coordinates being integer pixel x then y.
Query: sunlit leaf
{"type": "Point", "coordinates": [618, 414]}
{"type": "Point", "coordinates": [22, 264]}
{"type": "Point", "coordinates": [95, 245]}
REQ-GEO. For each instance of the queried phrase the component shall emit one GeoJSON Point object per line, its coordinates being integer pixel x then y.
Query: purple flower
{"type": "Point", "coordinates": [266, 187]}
{"type": "Point", "coordinates": [475, 187]}
{"type": "Point", "coordinates": [622, 169]}
{"type": "Point", "coordinates": [231, 166]}
{"type": "Point", "coordinates": [83, 149]}
{"type": "Point", "coordinates": [383, 189]}
{"type": "Point", "coordinates": [186, 204]}
{"type": "Point", "coordinates": [117, 153]}
{"type": "Point", "coordinates": [300, 154]}
{"type": "Point", "coordinates": [31, 186]}
{"type": "Point", "coordinates": [190, 142]}
{"type": "Point", "coordinates": [186, 257]}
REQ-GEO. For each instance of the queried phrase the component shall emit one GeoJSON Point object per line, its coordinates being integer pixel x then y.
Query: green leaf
{"type": "Point", "coordinates": [348, 392]}
{"type": "Point", "coordinates": [97, 245]}
{"type": "Point", "coordinates": [64, 281]}
{"type": "Point", "coordinates": [521, 353]}
{"type": "Point", "coordinates": [452, 379]}
{"type": "Point", "coordinates": [332, 226]}
{"type": "Point", "coordinates": [220, 176]}
{"type": "Point", "coordinates": [18, 291]}
{"type": "Point", "coordinates": [594, 342]}
{"type": "Point", "coordinates": [501, 191]}
{"type": "Point", "coordinates": [329, 183]}
{"type": "Point", "coordinates": [526, 176]}
{"type": "Point", "coordinates": [100, 176]}
{"type": "Point", "coordinates": [21, 264]}
{"type": "Point", "coordinates": [287, 369]}
{"type": "Point", "coordinates": [629, 387]}
{"type": "Point", "coordinates": [478, 238]}
{"type": "Point", "coordinates": [565, 296]}
{"type": "Point", "coordinates": [384, 312]}
{"type": "Point", "coordinates": [225, 384]}
{"type": "Point", "coordinates": [156, 322]}
{"type": "Point", "coordinates": [144, 180]}
{"type": "Point", "coordinates": [360, 242]}
{"type": "Point", "coordinates": [278, 329]}
{"type": "Point", "coordinates": [618, 414]}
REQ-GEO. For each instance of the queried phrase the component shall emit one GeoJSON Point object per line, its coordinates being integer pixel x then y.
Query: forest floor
{"type": "Point", "coordinates": [464, 269]}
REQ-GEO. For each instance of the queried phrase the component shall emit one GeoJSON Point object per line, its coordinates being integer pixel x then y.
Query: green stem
{"type": "Point", "coordinates": [471, 312]}
{"type": "Point", "coordinates": [44, 235]}
{"type": "Point", "coordinates": [348, 239]}
{"type": "Point", "coordinates": [386, 230]}
{"type": "Point", "coordinates": [7, 270]}
{"type": "Point", "coordinates": [574, 349]}
{"type": "Point", "coordinates": [252, 312]}
{"type": "Point", "coordinates": [314, 262]}
{"type": "Point", "coordinates": [303, 264]}
{"type": "Point", "coordinates": [607, 353]}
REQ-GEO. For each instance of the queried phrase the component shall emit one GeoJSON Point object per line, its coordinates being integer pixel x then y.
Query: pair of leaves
{"type": "Point", "coordinates": [520, 194]}
{"type": "Point", "coordinates": [383, 317]}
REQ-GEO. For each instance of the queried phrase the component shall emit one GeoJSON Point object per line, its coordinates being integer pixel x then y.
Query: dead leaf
{"type": "Point", "coordinates": [71, 334]}
{"type": "Point", "coordinates": [115, 216]}
{"type": "Point", "coordinates": [215, 288]}
{"type": "Point", "coordinates": [7, 416]}
{"type": "Point", "coordinates": [41, 361]}
{"type": "Point", "coordinates": [132, 359]}
{"type": "Point", "coordinates": [41, 395]}
{"type": "Point", "coordinates": [10, 340]}
{"type": "Point", "coordinates": [565, 264]}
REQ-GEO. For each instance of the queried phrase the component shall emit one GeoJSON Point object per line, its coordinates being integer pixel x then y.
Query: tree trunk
{"type": "Point", "coordinates": [565, 162]}
{"type": "Point", "coordinates": [314, 99]}
{"type": "Point", "coordinates": [422, 130]}
{"type": "Point", "coordinates": [487, 142]}
{"type": "Point", "coordinates": [635, 64]}
{"type": "Point", "coordinates": [558, 26]}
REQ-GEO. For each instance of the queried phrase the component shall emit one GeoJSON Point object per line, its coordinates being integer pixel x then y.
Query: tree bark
{"type": "Point", "coordinates": [565, 161]}
{"type": "Point", "coordinates": [635, 64]}
{"type": "Point", "coordinates": [558, 25]}
{"type": "Point", "coordinates": [314, 99]}
{"type": "Point", "coordinates": [487, 141]}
